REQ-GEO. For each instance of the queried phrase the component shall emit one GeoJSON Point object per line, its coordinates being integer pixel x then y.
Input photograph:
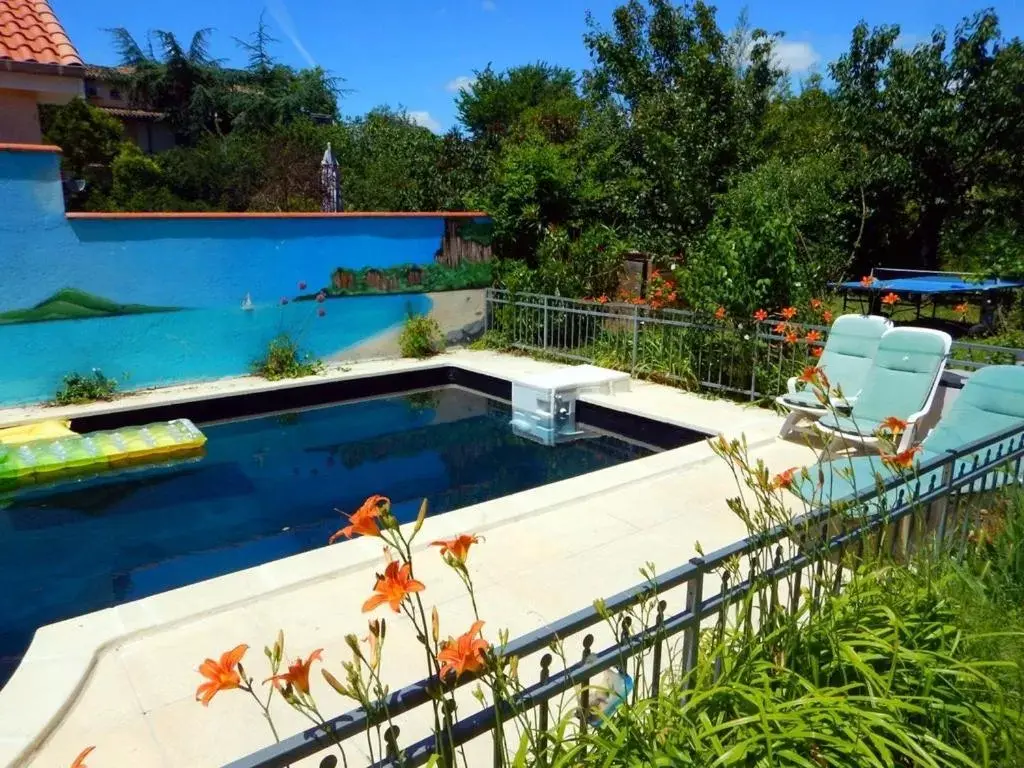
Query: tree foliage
{"type": "Point", "coordinates": [682, 139]}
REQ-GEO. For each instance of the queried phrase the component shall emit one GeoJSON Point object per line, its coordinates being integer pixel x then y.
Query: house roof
{"type": "Point", "coordinates": [100, 72]}
{"type": "Point", "coordinates": [134, 114]}
{"type": "Point", "coordinates": [31, 33]}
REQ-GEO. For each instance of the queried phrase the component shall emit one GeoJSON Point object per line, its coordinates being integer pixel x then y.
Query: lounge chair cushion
{"type": "Point", "coordinates": [852, 343]}
{"type": "Point", "coordinates": [900, 381]}
{"type": "Point", "coordinates": [992, 401]}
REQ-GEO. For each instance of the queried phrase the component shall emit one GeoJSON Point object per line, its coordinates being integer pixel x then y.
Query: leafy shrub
{"type": "Point", "coordinates": [420, 337]}
{"type": "Point", "coordinates": [284, 360]}
{"type": "Point", "coordinates": [780, 234]}
{"type": "Point", "coordinates": [77, 388]}
{"type": "Point", "coordinates": [883, 674]}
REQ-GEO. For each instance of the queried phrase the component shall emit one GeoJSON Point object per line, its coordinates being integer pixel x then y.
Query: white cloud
{"type": "Point", "coordinates": [490, 5]}
{"type": "Point", "coordinates": [279, 13]}
{"type": "Point", "coordinates": [795, 56]}
{"type": "Point", "coordinates": [460, 83]}
{"type": "Point", "coordinates": [423, 118]}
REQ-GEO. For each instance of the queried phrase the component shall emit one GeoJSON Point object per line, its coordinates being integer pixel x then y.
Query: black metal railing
{"type": "Point", "coordinates": [796, 554]}
{"type": "Point", "coordinates": [744, 358]}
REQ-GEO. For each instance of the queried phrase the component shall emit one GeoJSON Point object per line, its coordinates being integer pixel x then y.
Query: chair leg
{"type": "Point", "coordinates": [790, 424]}
{"type": "Point", "coordinates": [835, 443]}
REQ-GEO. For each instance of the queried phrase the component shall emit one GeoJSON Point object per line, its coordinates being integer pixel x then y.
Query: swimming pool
{"type": "Point", "coordinates": [267, 488]}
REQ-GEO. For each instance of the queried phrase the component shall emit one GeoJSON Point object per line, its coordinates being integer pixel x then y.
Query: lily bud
{"type": "Point", "coordinates": [420, 517]}
{"type": "Point", "coordinates": [336, 684]}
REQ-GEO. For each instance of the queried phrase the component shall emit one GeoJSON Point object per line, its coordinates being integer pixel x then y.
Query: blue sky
{"type": "Point", "coordinates": [415, 53]}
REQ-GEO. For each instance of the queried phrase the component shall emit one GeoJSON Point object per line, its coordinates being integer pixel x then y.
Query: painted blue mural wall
{"type": "Point", "coordinates": [234, 283]}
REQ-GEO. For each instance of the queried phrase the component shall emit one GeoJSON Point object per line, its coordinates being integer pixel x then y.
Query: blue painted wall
{"type": "Point", "coordinates": [206, 266]}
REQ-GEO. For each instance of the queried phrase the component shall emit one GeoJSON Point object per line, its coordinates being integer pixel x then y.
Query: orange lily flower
{"type": "Point", "coordinates": [791, 338]}
{"type": "Point", "coordinates": [602, 299]}
{"type": "Point", "coordinates": [902, 460]}
{"type": "Point", "coordinates": [298, 672]}
{"type": "Point", "coordinates": [760, 315]}
{"type": "Point", "coordinates": [221, 675]}
{"type": "Point", "coordinates": [363, 522]}
{"type": "Point", "coordinates": [393, 586]}
{"type": "Point", "coordinates": [961, 309]}
{"type": "Point", "coordinates": [812, 336]}
{"type": "Point", "coordinates": [891, 298]}
{"type": "Point", "coordinates": [784, 479]}
{"type": "Point", "coordinates": [789, 313]}
{"type": "Point", "coordinates": [80, 760]}
{"type": "Point", "coordinates": [720, 313]}
{"type": "Point", "coordinates": [457, 547]}
{"type": "Point", "coordinates": [894, 424]}
{"type": "Point", "coordinates": [815, 303]}
{"type": "Point", "coordinates": [817, 351]}
{"type": "Point", "coordinates": [826, 316]}
{"type": "Point", "coordinates": [867, 281]}
{"type": "Point", "coordinates": [780, 327]}
{"type": "Point", "coordinates": [464, 653]}
{"type": "Point", "coordinates": [810, 374]}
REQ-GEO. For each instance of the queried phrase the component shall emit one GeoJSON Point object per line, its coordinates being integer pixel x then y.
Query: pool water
{"type": "Point", "coordinates": [267, 488]}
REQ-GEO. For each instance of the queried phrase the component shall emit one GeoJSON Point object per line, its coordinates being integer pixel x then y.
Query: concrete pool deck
{"type": "Point", "coordinates": [124, 679]}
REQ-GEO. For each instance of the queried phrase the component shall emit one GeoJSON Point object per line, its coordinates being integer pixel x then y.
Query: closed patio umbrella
{"type": "Point", "coordinates": [331, 192]}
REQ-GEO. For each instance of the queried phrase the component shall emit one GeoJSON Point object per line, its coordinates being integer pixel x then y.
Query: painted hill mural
{"type": "Point", "coordinates": [73, 304]}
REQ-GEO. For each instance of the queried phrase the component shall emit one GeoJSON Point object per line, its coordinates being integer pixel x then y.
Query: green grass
{"type": "Point", "coordinates": [73, 304]}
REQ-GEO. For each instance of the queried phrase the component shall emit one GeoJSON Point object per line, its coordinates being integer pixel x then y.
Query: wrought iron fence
{"type": "Point", "coordinates": [797, 563]}
{"type": "Point", "coordinates": [743, 358]}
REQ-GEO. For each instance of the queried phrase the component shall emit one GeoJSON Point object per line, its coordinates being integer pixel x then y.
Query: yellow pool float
{"type": "Point", "coordinates": [45, 451]}
{"type": "Point", "coordinates": [41, 430]}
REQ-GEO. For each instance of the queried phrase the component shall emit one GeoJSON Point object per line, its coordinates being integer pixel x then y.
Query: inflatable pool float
{"type": "Point", "coordinates": [40, 430]}
{"type": "Point", "coordinates": [26, 458]}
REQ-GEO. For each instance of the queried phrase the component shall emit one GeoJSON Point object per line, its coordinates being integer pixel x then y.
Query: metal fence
{"type": "Point", "coordinates": [797, 563]}
{"type": "Point", "coordinates": [745, 358]}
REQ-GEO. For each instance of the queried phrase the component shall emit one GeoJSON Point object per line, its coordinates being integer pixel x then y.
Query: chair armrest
{"type": "Point", "coordinates": [791, 385]}
{"type": "Point", "coordinates": [909, 436]}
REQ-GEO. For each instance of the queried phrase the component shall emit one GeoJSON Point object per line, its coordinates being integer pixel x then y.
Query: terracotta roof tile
{"type": "Point", "coordinates": [138, 114]}
{"type": "Point", "coordinates": [31, 32]}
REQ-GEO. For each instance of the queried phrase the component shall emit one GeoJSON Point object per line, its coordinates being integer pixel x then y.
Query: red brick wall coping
{"type": "Point", "coordinates": [293, 215]}
{"type": "Point", "coordinates": [5, 147]}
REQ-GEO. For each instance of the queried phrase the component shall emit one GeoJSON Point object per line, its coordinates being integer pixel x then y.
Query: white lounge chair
{"type": "Point", "coordinates": [846, 360]}
{"type": "Point", "coordinates": [901, 382]}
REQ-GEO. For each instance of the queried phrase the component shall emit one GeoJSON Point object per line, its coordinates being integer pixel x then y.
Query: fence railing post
{"type": "Point", "coordinates": [691, 635]}
{"type": "Point", "coordinates": [753, 362]}
{"type": "Point", "coordinates": [546, 313]}
{"type": "Point", "coordinates": [939, 509]}
{"type": "Point", "coordinates": [636, 339]}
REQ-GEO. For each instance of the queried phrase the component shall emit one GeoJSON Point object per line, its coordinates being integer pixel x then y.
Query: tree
{"type": "Point", "coordinates": [89, 138]}
{"type": "Point", "coordinates": [186, 83]}
{"type": "Point", "coordinates": [269, 94]}
{"type": "Point", "coordinates": [667, 91]}
{"type": "Point", "coordinates": [937, 128]}
{"type": "Point", "coordinates": [497, 102]}
{"type": "Point", "coordinates": [201, 98]}
{"type": "Point", "coordinates": [387, 162]}
{"type": "Point", "coordinates": [782, 232]}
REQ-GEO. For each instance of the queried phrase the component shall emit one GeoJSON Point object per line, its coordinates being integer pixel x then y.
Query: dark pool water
{"type": "Point", "coordinates": [266, 488]}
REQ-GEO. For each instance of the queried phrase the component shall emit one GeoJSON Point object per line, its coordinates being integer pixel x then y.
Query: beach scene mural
{"type": "Point", "coordinates": [174, 299]}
